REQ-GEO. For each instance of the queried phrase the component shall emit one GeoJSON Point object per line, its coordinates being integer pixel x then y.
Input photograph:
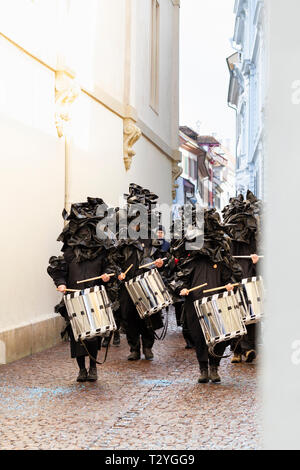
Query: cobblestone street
{"type": "Point", "coordinates": [139, 405]}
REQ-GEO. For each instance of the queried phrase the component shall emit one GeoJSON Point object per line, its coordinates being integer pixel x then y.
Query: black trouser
{"type": "Point", "coordinates": [92, 347]}
{"type": "Point", "coordinates": [181, 321]}
{"type": "Point", "coordinates": [187, 335]}
{"type": "Point", "coordinates": [178, 312]}
{"type": "Point", "coordinates": [193, 324]}
{"type": "Point", "coordinates": [137, 330]}
{"type": "Point", "coordinates": [117, 317]}
{"type": "Point", "coordinates": [247, 342]}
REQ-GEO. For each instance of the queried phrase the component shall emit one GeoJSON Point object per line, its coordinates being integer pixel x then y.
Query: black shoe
{"type": "Point", "coordinates": [134, 356]}
{"type": "Point", "coordinates": [236, 359]}
{"type": "Point", "coordinates": [148, 354]}
{"type": "Point", "coordinates": [189, 345]}
{"type": "Point", "coordinates": [116, 340]}
{"type": "Point", "coordinates": [213, 374]}
{"type": "Point", "coordinates": [250, 355]}
{"type": "Point", "coordinates": [203, 379]}
{"type": "Point", "coordinates": [82, 376]}
{"type": "Point", "coordinates": [92, 375]}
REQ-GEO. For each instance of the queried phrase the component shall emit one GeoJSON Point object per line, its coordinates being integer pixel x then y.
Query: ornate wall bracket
{"type": "Point", "coordinates": [131, 133]}
{"type": "Point", "coordinates": [66, 92]}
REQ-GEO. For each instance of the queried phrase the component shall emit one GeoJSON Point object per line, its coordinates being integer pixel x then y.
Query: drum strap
{"type": "Point", "coordinates": [212, 353]}
{"type": "Point", "coordinates": [91, 357]}
{"type": "Point", "coordinates": [164, 332]}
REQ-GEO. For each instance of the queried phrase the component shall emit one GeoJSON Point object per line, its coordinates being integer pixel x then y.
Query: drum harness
{"type": "Point", "coordinates": [165, 327]}
{"type": "Point", "coordinates": [62, 334]}
{"type": "Point", "coordinates": [148, 319]}
{"type": "Point", "coordinates": [212, 353]}
{"type": "Point", "coordinates": [106, 350]}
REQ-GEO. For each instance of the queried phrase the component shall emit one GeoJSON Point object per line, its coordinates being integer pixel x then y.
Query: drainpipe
{"type": "Point", "coordinates": [66, 92]}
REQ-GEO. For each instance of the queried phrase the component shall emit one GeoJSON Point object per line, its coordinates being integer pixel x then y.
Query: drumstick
{"type": "Point", "coordinates": [128, 269]}
{"type": "Point", "coordinates": [220, 288]}
{"type": "Point", "coordinates": [149, 264]}
{"type": "Point", "coordinates": [69, 290]}
{"type": "Point", "coordinates": [248, 257]}
{"type": "Point", "coordinates": [95, 278]}
{"type": "Point", "coordinates": [198, 287]}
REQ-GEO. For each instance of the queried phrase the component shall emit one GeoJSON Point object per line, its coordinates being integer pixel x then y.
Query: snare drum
{"type": "Point", "coordinates": [148, 293]}
{"type": "Point", "coordinates": [250, 297]}
{"type": "Point", "coordinates": [220, 318]}
{"type": "Point", "coordinates": [90, 313]}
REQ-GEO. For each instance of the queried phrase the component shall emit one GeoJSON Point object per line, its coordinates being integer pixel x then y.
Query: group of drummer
{"type": "Point", "coordinates": [214, 266]}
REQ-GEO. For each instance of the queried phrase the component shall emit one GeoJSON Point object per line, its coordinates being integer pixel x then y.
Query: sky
{"type": "Point", "coordinates": [206, 27]}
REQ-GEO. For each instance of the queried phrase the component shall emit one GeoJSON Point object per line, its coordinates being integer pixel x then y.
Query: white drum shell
{"type": "Point", "coordinates": [251, 299]}
{"type": "Point", "coordinates": [220, 318]}
{"type": "Point", "coordinates": [90, 313]}
{"type": "Point", "coordinates": [148, 293]}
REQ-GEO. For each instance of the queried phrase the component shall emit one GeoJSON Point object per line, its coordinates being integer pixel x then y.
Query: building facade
{"type": "Point", "coordinates": [247, 94]}
{"type": "Point", "coordinates": [224, 183]}
{"type": "Point", "coordinates": [208, 171]}
{"type": "Point", "coordinates": [88, 104]}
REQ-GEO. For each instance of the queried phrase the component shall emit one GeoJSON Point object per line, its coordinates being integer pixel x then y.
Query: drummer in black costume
{"type": "Point", "coordinates": [135, 253]}
{"type": "Point", "coordinates": [84, 256]}
{"type": "Point", "coordinates": [212, 264]}
{"type": "Point", "coordinates": [241, 219]}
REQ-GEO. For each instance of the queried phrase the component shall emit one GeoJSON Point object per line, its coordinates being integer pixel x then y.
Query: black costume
{"type": "Point", "coordinates": [137, 330]}
{"type": "Point", "coordinates": [84, 256]}
{"type": "Point", "coordinates": [203, 270]}
{"type": "Point", "coordinates": [212, 264]}
{"type": "Point", "coordinates": [136, 253]}
{"type": "Point", "coordinates": [178, 302]}
{"type": "Point", "coordinates": [241, 218]}
{"type": "Point", "coordinates": [67, 271]}
{"type": "Point", "coordinates": [248, 341]}
{"type": "Point", "coordinates": [180, 314]}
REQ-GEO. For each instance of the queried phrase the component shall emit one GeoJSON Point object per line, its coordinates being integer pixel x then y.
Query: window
{"type": "Point", "coordinates": [186, 165]}
{"type": "Point", "coordinates": [155, 22]}
{"type": "Point", "coordinates": [201, 189]}
{"type": "Point", "coordinates": [190, 173]}
{"type": "Point", "coordinates": [195, 169]}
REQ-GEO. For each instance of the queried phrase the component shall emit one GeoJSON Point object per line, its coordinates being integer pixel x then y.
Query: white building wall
{"type": "Point", "coordinates": [31, 190]}
{"type": "Point", "coordinates": [152, 169]}
{"type": "Point", "coordinates": [33, 156]}
{"type": "Point", "coordinates": [164, 120]}
{"type": "Point", "coordinates": [161, 122]}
